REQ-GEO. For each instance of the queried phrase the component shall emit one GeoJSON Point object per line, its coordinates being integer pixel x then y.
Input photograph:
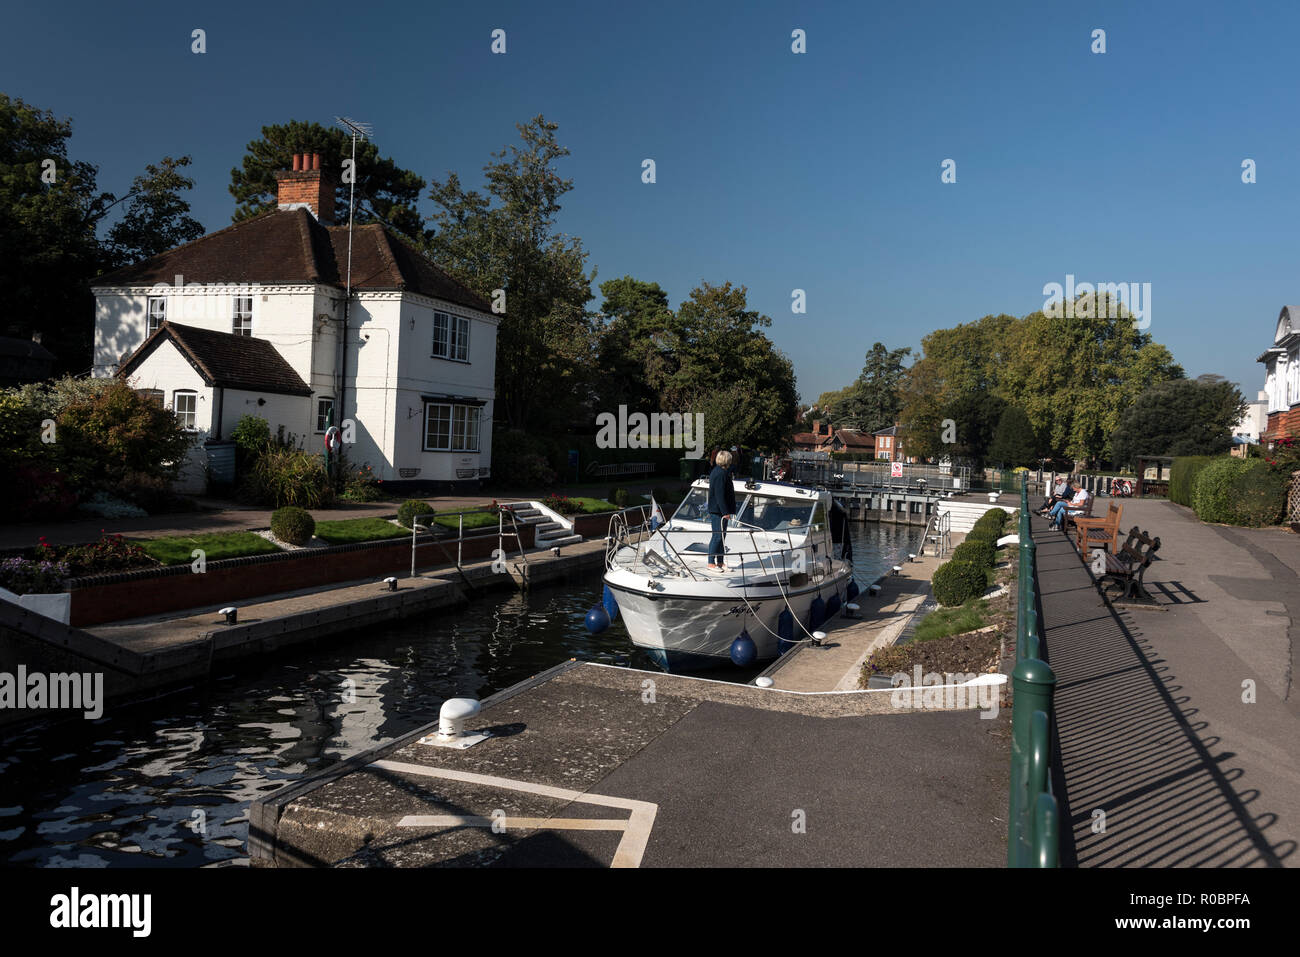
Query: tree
{"type": "Point", "coordinates": [546, 339]}
{"type": "Point", "coordinates": [874, 402]}
{"type": "Point", "coordinates": [385, 192]}
{"type": "Point", "coordinates": [157, 218]}
{"type": "Point", "coordinates": [50, 213]}
{"type": "Point", "coordinates": [634, 357]}
{"type": "Point", "coordinates": [1179, 417]}
{"type": "Point", "coordinates": [729, 370]}
{"type": "Point", "coordinates": [1014, 442]}
{"type": "Point", "coordinates": [976, 415]}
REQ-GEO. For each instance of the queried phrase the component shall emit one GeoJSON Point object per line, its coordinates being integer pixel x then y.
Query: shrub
{"type": "Point", "coordinates": [411, 509]}
{"type": "Point", "coordinates": [24, 576]}
{"type": "Point", "coordinates": [977, 551]}
{"type": "Point", "coordinates": [111, 553]}
{"type": "Point", "coordinates": [561, 504]}
{"type": "Point", "coordinates": [115, 433]}
{"type": "Point", "coordinates": [618, 496]}
{"type": "Point", "coordinates": [293, 525]}
{"type": "Point", "coordinates": [1212, 490]}
{"type": "Point", "coordinates": [283, 477]}
{"type": "Point", "coordinates": [251, 435]}
{"type": "Point", "coordinates": [106, 506]}
{"type": "Point", "coordinates": [1182, 476]}
{"type": "Point", "coordinates": [956, 582]}
{"type": "Point", "coordinates": [1261, 495]}
{"type": "Point", "coordinates": [1239, 492]}
{"type": "Point", "coordinates": [986, 535]}
{"type": "Point", "coordinates": [360, 485]}
{"type": "Point", "coordinates": [41, 493]}
{"type": "Point", "coordinates": [994, 518]}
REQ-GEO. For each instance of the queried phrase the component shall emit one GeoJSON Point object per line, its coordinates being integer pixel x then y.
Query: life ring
{"type": "Point", "coordinates": [333, 439]}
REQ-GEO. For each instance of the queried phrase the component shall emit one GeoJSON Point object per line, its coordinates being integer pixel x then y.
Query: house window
{"type": "Point", "coordinates": [153, 395]}
{"type": "Point", "coordinates": [243, 318]}
{"type": "Point", "coordinates": [437, 427]}
{"type": "Point", "coordinates": [324, 413]}
{"type": "Point", "coordinates": [464, 433]}
{"type": "Point", "coordinates": [185, 405]}
{"type": "Point", "coordinates": [157, 312]}
{"type": "Point", "coordinates": [450, 337]}
{"type": "Point", "coordinates": [451, 428]}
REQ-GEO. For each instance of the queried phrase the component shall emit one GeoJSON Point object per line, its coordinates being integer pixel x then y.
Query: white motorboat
{"type": "Point", "coordinates": [788, 569]}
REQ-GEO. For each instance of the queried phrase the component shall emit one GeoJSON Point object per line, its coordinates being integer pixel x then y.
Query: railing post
{"type": "Point", "coordinates": [1033, 684]}
{"type": "Point", "coordinates": [460, 537]}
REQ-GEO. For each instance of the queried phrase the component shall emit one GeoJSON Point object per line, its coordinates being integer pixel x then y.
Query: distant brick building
{"type": "Point", "coordinates": [827, 438]}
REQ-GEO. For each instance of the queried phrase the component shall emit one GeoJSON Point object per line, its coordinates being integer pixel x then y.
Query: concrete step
{"type": "Point", "coordinates": [542, 528]}
{"type": "Point", "coordinates": [558, 540]}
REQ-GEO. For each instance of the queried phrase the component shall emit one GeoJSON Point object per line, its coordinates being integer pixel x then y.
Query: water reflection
{"type": "Point", "coordinates": [168, 782]}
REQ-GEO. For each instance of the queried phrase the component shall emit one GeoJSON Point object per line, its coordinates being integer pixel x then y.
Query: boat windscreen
{"type": "Point", "coordinates": [770, 513]}
{"type": "Point", "coordinates": [694, 508]}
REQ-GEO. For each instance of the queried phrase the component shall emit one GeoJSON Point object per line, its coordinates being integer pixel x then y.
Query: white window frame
{"type": "Point", "coordinates": [437, 405]}
{"type": "Point", "coordinates": [320, 418]}
{"type": "Point", "coordinates": [450, 337]}
{"type": "Point", "coordinates": [244, 328]}
{"type": "Point", "coordinates": [464, 425]}
{"type": "Point", "coordinates": [150, 313]}
{"type": "Point", "coordinates": [192, 413]}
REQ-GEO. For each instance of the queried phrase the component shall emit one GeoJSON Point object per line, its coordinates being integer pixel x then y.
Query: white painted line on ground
{"type": "Point", "coordinates": [514, 823]}
{"type": "Point", "coordinates": [636, 829]}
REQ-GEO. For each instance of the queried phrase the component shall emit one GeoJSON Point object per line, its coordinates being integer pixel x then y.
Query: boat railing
{"type": "Point", "coordinates": [624, 534]}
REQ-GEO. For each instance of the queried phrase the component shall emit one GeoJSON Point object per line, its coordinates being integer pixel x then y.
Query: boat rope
{"type": "Point", "coordinates": [777, 579]}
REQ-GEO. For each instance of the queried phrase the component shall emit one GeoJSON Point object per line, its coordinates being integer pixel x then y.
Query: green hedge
{"type": "Point", "coordinates": [1182, 476]}
{"type": "Point", "coordinates": [1239, 492]}
{"type": "Point", "coordinates": [411, 509]}
{"type": "Point", "coordinates": [956, 582]}
{"type": "Point", "coordinates": [978, 551]}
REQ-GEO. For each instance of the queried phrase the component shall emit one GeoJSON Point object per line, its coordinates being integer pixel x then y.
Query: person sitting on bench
{"type": "Point", "coordinates": [1076, 506]}
{"type": "Point", "coordinates": [1060, 493]}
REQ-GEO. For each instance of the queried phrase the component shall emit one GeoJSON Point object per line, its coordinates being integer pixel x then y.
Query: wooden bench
{"type": "Point", "coordinates": [1099, 531]}
{"type": "Point", "coordinates": [1086, 512]}
{"type": "Point", "coordinates": [1129, 564]}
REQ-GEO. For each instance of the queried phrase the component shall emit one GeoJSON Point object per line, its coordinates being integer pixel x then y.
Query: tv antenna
{"type": "Point", "coordinates": [365, 131]}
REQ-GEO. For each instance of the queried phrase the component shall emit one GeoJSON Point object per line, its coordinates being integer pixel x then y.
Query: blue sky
{"type": "Point", "coordinates": [777, 171]}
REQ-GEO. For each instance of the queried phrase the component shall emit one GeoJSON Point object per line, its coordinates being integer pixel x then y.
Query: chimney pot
{"type": "Point", "coordinates": [297, 162]}
{"type": "Point", "coordinates": [315, 161]}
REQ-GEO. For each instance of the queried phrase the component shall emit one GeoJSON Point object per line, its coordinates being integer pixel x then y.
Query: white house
{"type": "Point", "coordinates": [1282, 376]}
{"type": "Point", "coordinates": [250, 319]}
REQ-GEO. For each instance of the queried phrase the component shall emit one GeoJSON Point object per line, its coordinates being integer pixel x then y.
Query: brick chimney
{"type": "Point", "coordinates": [308, 185]}
{"type": "Point", "coordinates": [817, 427]}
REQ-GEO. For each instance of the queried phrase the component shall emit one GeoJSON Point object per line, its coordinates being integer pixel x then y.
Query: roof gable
{"type": "Point", "coordinates": [224, 360]}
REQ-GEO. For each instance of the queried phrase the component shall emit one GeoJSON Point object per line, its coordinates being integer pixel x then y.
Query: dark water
{"type": "Point", "coordinates": [168, 782]}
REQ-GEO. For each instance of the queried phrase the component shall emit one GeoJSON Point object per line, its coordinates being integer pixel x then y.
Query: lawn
{"type": "Point", "coordinates": [472, 520]}
{"type": "Point", "coordinates": [349, 530]}
{"type": "Point", "coordinates": [593, 505]}
{"type": "Point", "coordinates": [215, 546]}
{"type": "Point", "coordinates": [953, 621]}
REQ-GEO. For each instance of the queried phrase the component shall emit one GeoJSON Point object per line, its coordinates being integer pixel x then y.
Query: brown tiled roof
{"type": "Point", "coordinates": [224, 360]}
{"type": "Point", "coordinates": [290, 246]}
{"type": "Point", "coordinates": [855, 439]}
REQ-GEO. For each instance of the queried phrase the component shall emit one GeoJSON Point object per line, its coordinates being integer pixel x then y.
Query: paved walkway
{"type": "Point", "coordinates": [1178, 726]}
{"type": "Point", "coordinates": [226, 516]}
{"type": "Point", "coordinates": [837, 664]}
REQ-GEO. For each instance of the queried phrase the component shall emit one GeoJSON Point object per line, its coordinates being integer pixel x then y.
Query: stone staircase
{"type": "Point", "coordinates": [965, 512]}
{"type": "Point", "coordinates": [547, 533]}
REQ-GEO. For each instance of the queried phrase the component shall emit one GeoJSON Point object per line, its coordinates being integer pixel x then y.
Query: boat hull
{"type": "Point", "coordinates": [695, 632]}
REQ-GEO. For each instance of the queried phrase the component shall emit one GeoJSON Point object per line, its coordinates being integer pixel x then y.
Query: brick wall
{"type": "Point", "coordinates": [1281, 423]}
{"type": "Point", "coordinates": [158, 591]}
{"type": "Point", "coordinates": [308, 183]}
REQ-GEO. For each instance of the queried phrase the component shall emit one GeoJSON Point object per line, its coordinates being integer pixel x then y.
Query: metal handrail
{"type": "Point", "coordinates": [1033, 818]}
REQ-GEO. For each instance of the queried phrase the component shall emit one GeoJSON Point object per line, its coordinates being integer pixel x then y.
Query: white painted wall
{"type": "Point", "coordinates": [389, 365]}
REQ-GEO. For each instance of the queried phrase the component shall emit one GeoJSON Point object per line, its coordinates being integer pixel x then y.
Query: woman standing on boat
{"type": "Point", "coordinates": [722, 507]}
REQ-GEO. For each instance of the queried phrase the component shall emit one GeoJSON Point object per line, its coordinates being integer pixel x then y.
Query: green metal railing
{"type": "Point", "coordinates": [1033, 818]}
